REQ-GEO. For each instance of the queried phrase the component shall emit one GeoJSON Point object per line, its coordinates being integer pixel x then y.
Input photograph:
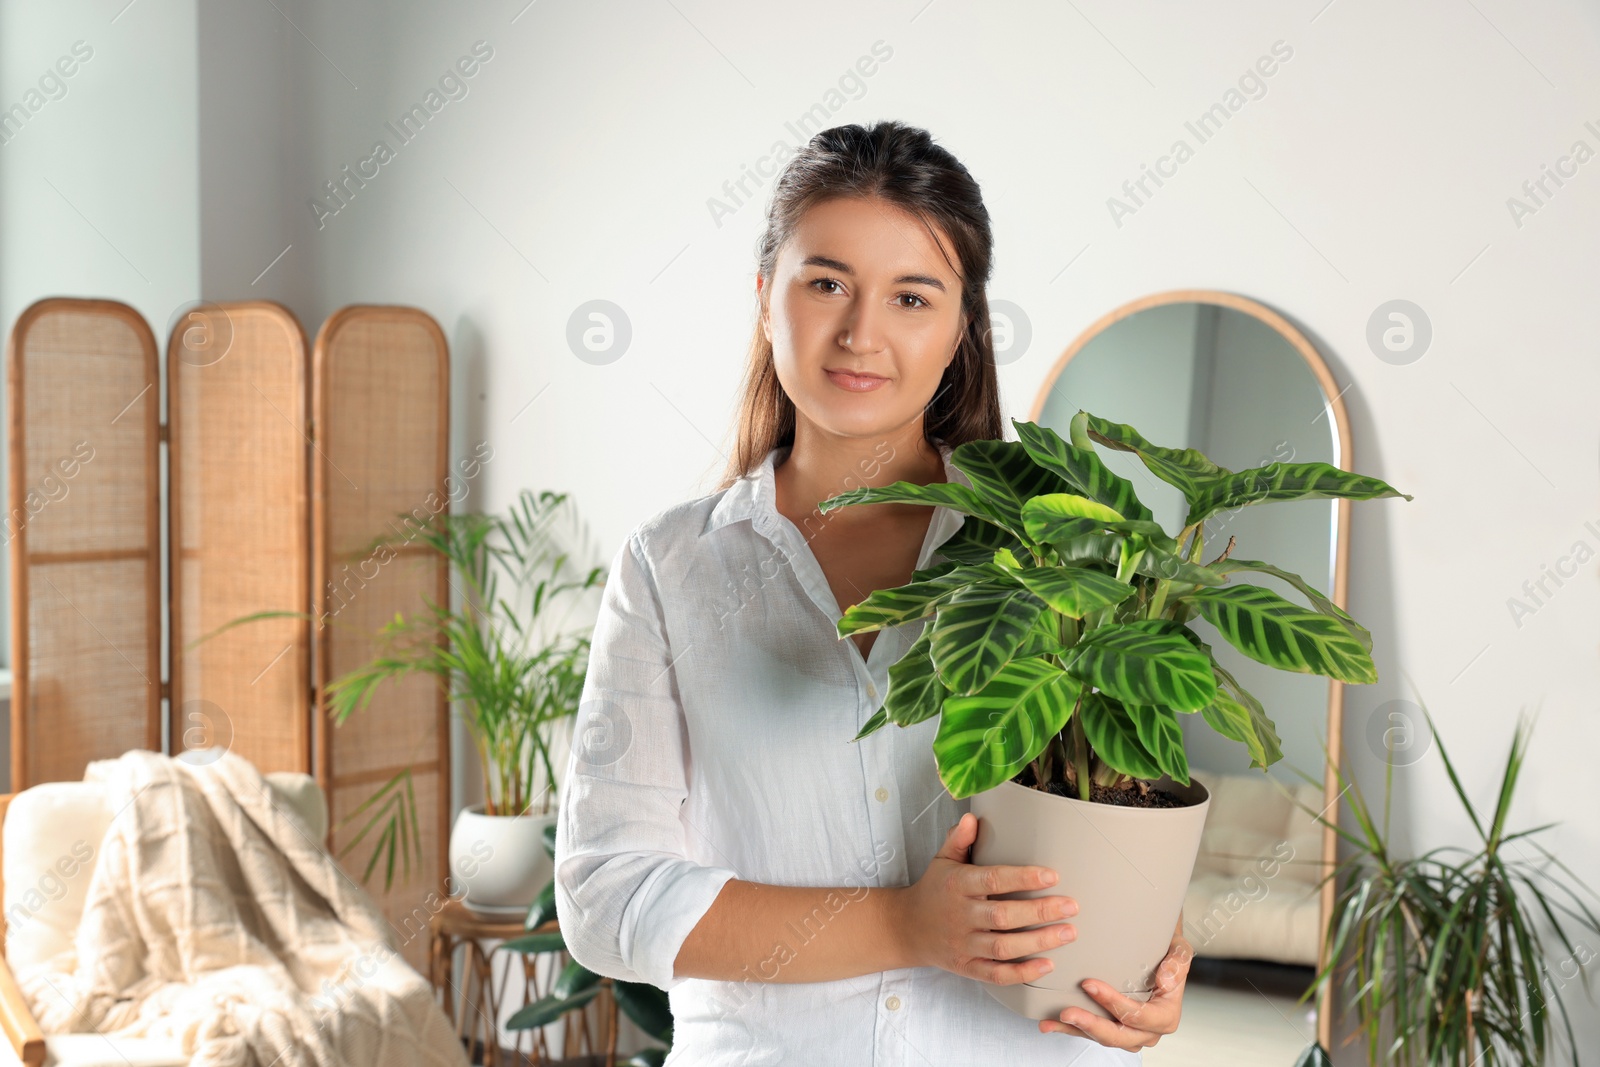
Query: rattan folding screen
{"type": "Point", "coordinates": [281, 468]}
{"type": "Point", "coordinates": [381, 403]}
{"type": "Point", "coordinates": [85, 536]}
{"type": "Point", "coordinates": [239, 530]}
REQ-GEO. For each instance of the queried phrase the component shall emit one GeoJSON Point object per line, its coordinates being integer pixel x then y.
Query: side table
{"type": "Point", "coordinates": [474, 1004]}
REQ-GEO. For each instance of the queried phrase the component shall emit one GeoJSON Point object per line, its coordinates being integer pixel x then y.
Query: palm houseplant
{"type": "Point", "coordinates": [513, 680]}
{"type": "Point", "coordinates": [514, 676]}
{"type": "Point", "coordinates": [1442, 953]}
{"type": "Point", "coordinates": [1057, 655]}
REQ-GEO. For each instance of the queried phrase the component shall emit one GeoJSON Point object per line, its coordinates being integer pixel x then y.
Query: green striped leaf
{"type": "Point", "coordinates": [1261, 736]}
{"type": "Point", "coordinates": [1006, 476]}
{"type": "Point", "coordinates": [1281, 634]}
{"type": "Point", "coordinates": [1114, 737]}
{"type": "Point", "coordinates": [1081, 468]}
{"type": "Point", "coordinates": [1285, 481]}
{"type": "Point", "coordinates": [878, 721]}
{"type": "Point", "coordinates": [1318, 601]}
{"type": "Point", "coordinates": [1145, 662]}
{"type": "Point", "coordinates": [915, 692]}
{"type": "Point", "coordinates": [978, 630]}
{"type": "Point", "coordinates": [1074, 591]}
{"type": "Point", "coordinates": [953, 495]}
{"type": "Point", "coordinates": [1190, 471]}
{"type": "Point", "coordinates": [548, 1009]}
{"type": "Point", "coordinates": [985, 738]}
{"type": "Point", "coordinates": [1162, 737]}
{"type": "Point", "coordinates": [976, 542]}
{"type": "Point", "coordinates": [1228, 717]}
{"type": "Point", "coordinates": [917, 600]}
{"type": "Point", "coordinates": [1044, 639]}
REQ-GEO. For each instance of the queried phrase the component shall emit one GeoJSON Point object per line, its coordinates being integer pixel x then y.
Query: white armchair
{"type": "Point", "coordinates": [49, 839]}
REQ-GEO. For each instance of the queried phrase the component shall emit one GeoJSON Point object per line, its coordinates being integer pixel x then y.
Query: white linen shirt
{"type": "Point", "coordinates": [713, 741]}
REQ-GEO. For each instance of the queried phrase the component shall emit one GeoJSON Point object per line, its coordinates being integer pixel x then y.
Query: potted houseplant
{"type": "Point", "coordinates": [1446, 955]}
{"type": "Point", "coordinates": [513, 679]}
{"type": "Point", "coordinates": [513, 682]}
{"type": "Point", "coordinates": [1058, 658]}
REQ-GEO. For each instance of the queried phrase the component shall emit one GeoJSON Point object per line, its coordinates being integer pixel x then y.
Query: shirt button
{"type": "Point", "coordinates": [872, 692]}
{"type": "Point", "coordinates": [882, 793]}
{"type": "Point", "coordinates": [893, 1003]}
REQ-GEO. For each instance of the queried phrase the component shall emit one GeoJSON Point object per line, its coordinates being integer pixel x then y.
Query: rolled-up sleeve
{"type": "Point", "coordinates": [627, 895]}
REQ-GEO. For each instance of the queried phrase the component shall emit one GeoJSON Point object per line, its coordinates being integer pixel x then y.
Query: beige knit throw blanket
{"type": "Point", "coordinates": [214, 919]}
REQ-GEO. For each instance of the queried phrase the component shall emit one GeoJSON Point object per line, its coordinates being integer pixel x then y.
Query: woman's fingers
{"type": "Point", "coordinates": [1158, 1015]}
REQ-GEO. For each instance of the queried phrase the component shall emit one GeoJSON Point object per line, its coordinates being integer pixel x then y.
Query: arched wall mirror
{"type": "Point", "coordinates": [1228, 376]}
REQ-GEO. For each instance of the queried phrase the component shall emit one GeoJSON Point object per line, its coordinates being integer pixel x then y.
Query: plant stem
{"type": "Point", "coordinates": [1080, 753]}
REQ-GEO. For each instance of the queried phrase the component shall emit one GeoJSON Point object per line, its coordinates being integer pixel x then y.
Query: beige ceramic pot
{"type": "Point", "coordinates": [1128, 869]}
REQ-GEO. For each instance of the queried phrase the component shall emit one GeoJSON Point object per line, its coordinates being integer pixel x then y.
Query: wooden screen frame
{"type": "Point", "coordinates": [15, 498]}
{"type": "Point", "coordinates": [1334, 397]}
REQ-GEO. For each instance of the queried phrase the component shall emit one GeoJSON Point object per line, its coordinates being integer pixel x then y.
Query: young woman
{"type": "Point", "coordinates": [805, 899]}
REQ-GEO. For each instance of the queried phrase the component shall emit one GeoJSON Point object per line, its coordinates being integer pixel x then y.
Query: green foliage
{"type": "Point", "coordinates": [576, 986]}
{"type": "Point", "coordinates": [1445, 952]}
{"type": "Point", "coordinates": [512, 680]}
{"type": "Point", "coordinates": [1056, 631]}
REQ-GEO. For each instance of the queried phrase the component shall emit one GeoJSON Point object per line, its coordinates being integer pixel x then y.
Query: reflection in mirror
{"type": "Point", "coordinates": [1224, 375]}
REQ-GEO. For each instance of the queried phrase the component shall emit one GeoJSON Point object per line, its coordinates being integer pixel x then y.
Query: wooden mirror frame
{"type": "Point", "coordinates": [1334, 399]}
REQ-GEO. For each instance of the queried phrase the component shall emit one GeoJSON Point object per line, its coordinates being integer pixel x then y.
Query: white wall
{"type": "Point", "coordinates": [1376, 165]}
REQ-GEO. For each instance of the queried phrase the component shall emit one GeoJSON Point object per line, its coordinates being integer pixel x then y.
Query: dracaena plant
{"type": "Point", "coordinates": [1057, 631]}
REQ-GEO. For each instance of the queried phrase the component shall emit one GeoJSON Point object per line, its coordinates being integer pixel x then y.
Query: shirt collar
{"type": "Point", "coordinates": [754, 495]}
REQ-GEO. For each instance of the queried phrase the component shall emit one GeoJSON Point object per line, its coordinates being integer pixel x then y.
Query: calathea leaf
{"type": "Point", "coordinates": [1281, 634]}
{"type": "Point", "coordinates": [953, 495]}
{"type": "Point", "coordinates": [1074, 591]}
{"type": "Point", "coordinates": [1162, 737]}
{"type": "Point", "coordinates": [904, 603]}
{"type": "Point", "coordinates": [976, 542]}
{"type": "Point", "coordinates": [915, 692]}
{"type": "Point", "coordinates": [1261, 736]}
{"type": "Point", "coordinates": [1190, 471]}
{"type": "Point", "coordinates": [986, 737]}
{"type": "Point", "coordinates": [1318, 601]}
{"type": "Point", "coordinates": [1081, 468]}
{"type": "Point", "coordinates": [1144, 662]}
{"type": "Point", "coordinates": [978, 630]}
{"type": "Point", "coordinates": [1285, 481]}
{"type": "Point", "coordinates": [1006, 476]}
{"type": "Point", "coordinates": [1114, 737]}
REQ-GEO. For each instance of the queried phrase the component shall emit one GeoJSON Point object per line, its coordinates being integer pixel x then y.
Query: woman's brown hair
{"type": "Point", "coordinates": [901, 165]}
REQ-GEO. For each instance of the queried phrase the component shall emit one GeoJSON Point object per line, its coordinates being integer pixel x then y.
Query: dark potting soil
{"type": "Point", "coordinates": [1137, 795]}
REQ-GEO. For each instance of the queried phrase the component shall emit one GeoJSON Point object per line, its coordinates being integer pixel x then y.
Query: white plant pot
{"type": "Point", "coordinates": [498, 863]}
{"type": "Point", "coordinates": [1128, 869]}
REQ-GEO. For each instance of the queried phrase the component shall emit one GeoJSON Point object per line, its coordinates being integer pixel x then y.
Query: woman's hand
{"type": "Point", "coordinates": [1134, 1024]}
{"type": "Point", "coordinates": [947, 920]}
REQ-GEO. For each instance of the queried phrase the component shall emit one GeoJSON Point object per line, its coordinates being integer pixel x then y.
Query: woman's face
{"type": "Point", "coordinates": [862, 287]}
